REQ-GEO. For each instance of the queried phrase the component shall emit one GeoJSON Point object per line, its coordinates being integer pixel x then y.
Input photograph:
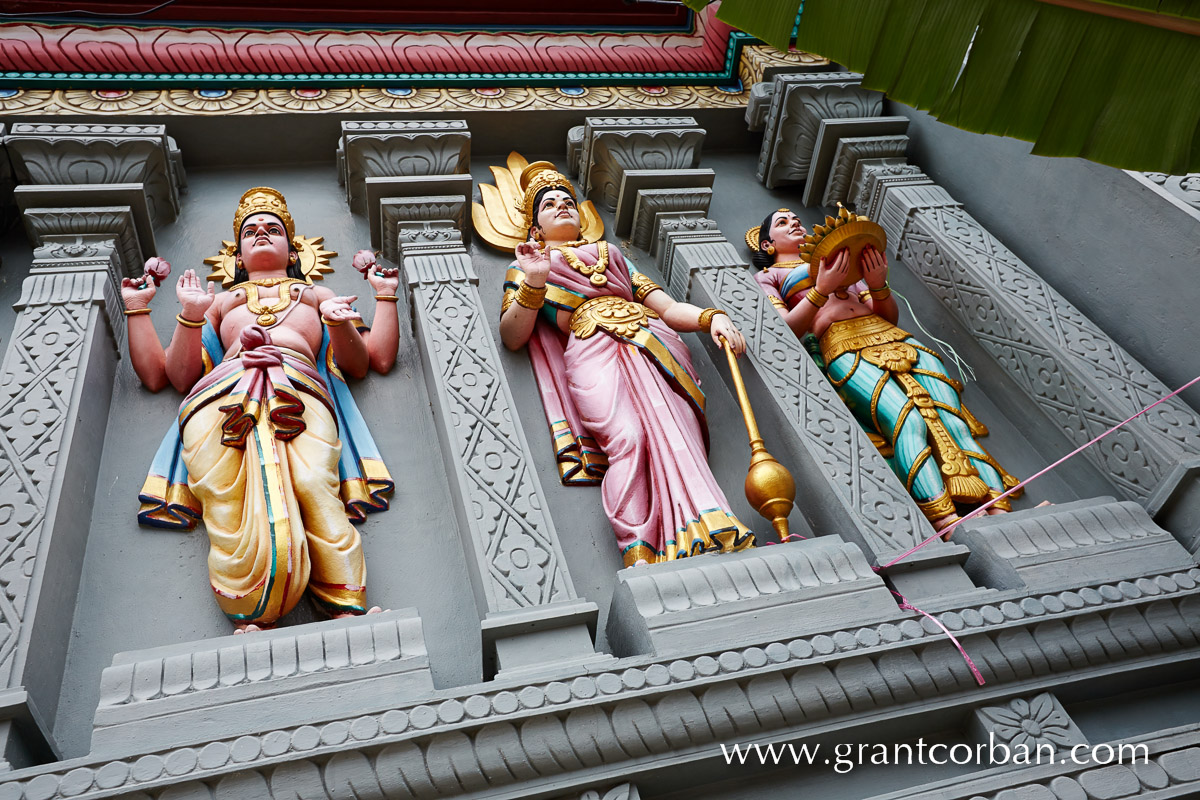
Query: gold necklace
{"type": "Point", "coordinates": [267, 312]}
{"type": "Point", "coordinates": [593, 272]}
{"type": "Point", "coordinates": [785, 265]}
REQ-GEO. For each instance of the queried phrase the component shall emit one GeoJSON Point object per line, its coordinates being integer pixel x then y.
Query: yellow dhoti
{"type": "Point", "coordinates": [271, 504]}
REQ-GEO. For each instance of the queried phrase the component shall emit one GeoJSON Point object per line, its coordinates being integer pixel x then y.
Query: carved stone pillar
{"type": "Point", "coordinates": [843, 485]}
{"type": "Point", "coordinates": [61, 351]}
{"type": "Point", "coordinates": [532, 617]}
{"type": "Point", "coordinates": [1077, 376]}
{"type": "Point", "coordinates": [399, 148]}
{"type": "Point", "coordinates": [611, 146]}
{"type": "Point", "coordinates": [71, 154]}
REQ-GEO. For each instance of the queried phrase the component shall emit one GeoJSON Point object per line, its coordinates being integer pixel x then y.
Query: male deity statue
{"type": "Point", "coordinates": [897, 387]}
{"type": "Point", "coordinates": [617, 384]}
{"type": "Point", "coordinates": [270, 448]}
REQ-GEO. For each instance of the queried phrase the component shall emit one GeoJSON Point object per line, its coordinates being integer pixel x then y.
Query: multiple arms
{"type": "Point", "coordinates": [356, 352]}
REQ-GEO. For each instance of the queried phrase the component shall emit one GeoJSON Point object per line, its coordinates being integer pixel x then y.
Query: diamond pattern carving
{"type": "Point", "coordinates": [1076, 374]}
{"type": "Point", "coordinates": [36, 383]}
{"type": "Point", "coordinates": [522, 563]}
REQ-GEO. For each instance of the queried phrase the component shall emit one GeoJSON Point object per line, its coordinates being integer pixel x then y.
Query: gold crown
{"type": "Point", "coordinates": [263, 200]}
{"type": "Point", "coordinates": [535, 177]}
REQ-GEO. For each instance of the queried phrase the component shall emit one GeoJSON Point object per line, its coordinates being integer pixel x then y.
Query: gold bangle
{"type": "Point", "coordinates": [133, 312]}
{"type": "Point", "coordinates": [390, 298]}
{"type": "Point", "coordinates": [816, 298]}
{"type": "Point", "coordinates": [531, 297]}
{"type": "Point", "coordinates": [882, 293]}
{"type": "Point", "coordinates": [190, 323]}
{"type": "Point", "coordinates": [332, 323]}
{"type": "Point", "coordinates": [706, 318]}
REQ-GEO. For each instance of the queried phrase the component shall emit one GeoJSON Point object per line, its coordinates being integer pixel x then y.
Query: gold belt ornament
{"type": "Point", "coordinates": [854, 335]}
{"type": "Point", "coordinates": [618, 316]}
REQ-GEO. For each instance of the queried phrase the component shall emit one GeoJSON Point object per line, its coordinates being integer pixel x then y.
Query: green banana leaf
{"type": "Point", "coordinates": [1123, 92]}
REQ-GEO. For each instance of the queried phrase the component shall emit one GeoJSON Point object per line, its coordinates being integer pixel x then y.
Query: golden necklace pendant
{"type": "Point", "coordinates": [593, 272]}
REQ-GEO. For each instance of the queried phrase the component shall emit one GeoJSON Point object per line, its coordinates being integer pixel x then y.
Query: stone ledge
{"type": "Point", "coordinates": [399, 148]}
{"type": "Point", "coordinates": [1068, 545]}
{"type": "Point", "coordinates": [196, 691]}
{"type": "Point", "coordinates": [803, 587]}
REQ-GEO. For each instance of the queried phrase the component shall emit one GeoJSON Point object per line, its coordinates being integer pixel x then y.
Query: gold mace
{"type": "Point", "coordinates": [770, 488]}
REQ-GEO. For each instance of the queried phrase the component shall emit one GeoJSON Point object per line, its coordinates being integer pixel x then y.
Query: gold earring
{"type": "Point", "coordinates": [292, 258]}
{"type": "Point", "coordinates": [770, 249]}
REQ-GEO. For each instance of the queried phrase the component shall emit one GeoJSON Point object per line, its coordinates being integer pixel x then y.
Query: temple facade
{"type": "Point", "coordinates": [515, 657]}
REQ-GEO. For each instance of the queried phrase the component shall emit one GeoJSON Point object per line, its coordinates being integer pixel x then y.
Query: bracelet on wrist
{"type": "Point", "coordinates": [133, 312]}
{"type": "Point", "coordinates": [387, 298]}
{"type": "Point", "coordinates": [882, 293]}
{"type": "Point", "coordinates": [531, 297]}
{"type": "Point", "coordinates": [332, 323]}
{"type": "Point", "coordinates": [190, 323]}
{"type": "Point", "coordinates": [816, 298]}
{"type": "Point", "coordinates": [706, 318]}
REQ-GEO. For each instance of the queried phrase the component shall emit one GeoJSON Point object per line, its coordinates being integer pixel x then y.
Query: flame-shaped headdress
{"type": "Point", "coordinates": [504, 217]}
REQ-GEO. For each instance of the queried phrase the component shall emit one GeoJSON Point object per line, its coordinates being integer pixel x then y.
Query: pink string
{"type": "Point", "coordinates": [907, 606]}
{"type": "Point", "coordinates": [1030, 479]}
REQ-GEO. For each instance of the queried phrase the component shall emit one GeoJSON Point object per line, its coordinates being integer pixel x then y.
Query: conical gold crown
{"type": "Point", "coordinates": [263, 200]}
{"type": "Point", "coordinates": [535, 177]}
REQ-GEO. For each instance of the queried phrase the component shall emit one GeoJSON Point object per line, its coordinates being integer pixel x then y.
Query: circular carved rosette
{"type": "Point", "coordinates": [400, 98]}
{"type": "Point", "coordinates": [110, 101]}
{"type": "Point", "coordinates": [491, 98]}
{"type": "Point", "coordinates": [24, 101]}
{"type": "Point", "coordinates": [590, 97]}
{"type": "Point", "coordinates": [211, 100]}
{"type": "Point", "coordinates": [308, 99]}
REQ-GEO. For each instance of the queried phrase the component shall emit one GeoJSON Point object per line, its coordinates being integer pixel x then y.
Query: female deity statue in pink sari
{"type": "Point", "coordinates": [621, 397]}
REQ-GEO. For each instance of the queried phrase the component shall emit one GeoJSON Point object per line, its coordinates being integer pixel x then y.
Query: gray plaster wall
{"type": "Point", "coordinates": [1120, 252]}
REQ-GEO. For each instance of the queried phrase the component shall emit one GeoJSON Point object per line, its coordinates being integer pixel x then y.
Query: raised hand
{"type": "Point", "coordinates": [137, 292]}
{"type": "Point", "coordinates": [535, 262]}
{"type": "Point", "coordinates": [723, 328]}
{"type": "Point", "coordinates": [831, 277]}
{"type": "Point", "coordinates": [874, 268]}
{"type": "Point", "coordinates": [193, 296]}
{"type": "Point", "coordinates": [340, 309]}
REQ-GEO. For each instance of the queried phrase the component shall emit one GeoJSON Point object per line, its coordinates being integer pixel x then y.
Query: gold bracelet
{"type": "Point", "coordinates": [332, 323]}
{"type": "Point", "coordinates": [531, 297]}
{"type": "Point", "coordinates": [816, 298]}
{"type": "Point", "coordinates": [390, 298]}
{"type": "Point", "coordinates": [189, 323]}
{"type": "Point", "coordinates": [882, 293]}
{"type": "Point", "coordinates": [706, 318]}
{"type": "Point", "coordinates": [133, 312]}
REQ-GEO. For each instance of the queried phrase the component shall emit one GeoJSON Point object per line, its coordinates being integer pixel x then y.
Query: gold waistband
{"type": "Point", "coordinates": [851, 335]}
{"type": "Point", "coordinates": [614, 314]}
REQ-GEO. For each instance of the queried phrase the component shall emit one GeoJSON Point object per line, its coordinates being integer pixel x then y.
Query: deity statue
{"type": "Point", "coordinates": [883, 373]}
{"type": "Point", "coordinates": [270, 448]}
{"type": "Point", "coordinates": [616, 381]}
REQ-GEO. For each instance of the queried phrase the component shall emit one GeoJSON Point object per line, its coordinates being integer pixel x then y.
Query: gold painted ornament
{"type": "Point", "coordinates": [504, 217]}
{"type": "Point", "coordinates": [847, 230]}
{"type": "Point", "coordinates": [314, 260]}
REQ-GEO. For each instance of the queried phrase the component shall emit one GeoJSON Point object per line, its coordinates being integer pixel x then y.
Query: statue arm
{"type": "Point", "coordinates": [517, 321]}
{"type": "Point", "coordinates": [349, 347]}
{"type": "Point", "coordinates": [875, 271]}
{"type": "Point", "coordinates": [383, 340]}
{"type": "Point", "coordinates": [184, 356]}
{"type": "Point", "coordinates": [145, 350]}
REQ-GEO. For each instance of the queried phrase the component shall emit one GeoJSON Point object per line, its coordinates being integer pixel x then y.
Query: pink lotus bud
{"type": "Point", "coordinates": [157, 269]}
{"type": "Point", "coordinates": [363, 261]}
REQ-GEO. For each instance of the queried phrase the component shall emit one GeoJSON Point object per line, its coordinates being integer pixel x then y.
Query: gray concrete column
{"type": "Point", "coordinates": [55, 388]}
{"type": "Point", "coordinates": [1074, 374]}
{"type": "Point", "coordinates": [532, 617]}
{"type": "Point", "coordinates": [843, 485]}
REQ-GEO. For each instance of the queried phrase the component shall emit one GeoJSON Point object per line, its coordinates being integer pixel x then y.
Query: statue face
{"type": "Point", "coordinates": [263, 243]}
{"type": "Point", "coordinates": [787, 234]}
{"type": "Point", "coordinates": [558, 216]}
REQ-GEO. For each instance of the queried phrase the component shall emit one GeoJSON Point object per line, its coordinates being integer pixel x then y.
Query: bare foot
{"type": "Point", "coordinates": [994, 510]}
{"type": "Point", "coordinates": [1043, 504]}
{"type": "Point", "coordinates": [944, 522]}
{"type": "Point", "coordinates": [250, 627]}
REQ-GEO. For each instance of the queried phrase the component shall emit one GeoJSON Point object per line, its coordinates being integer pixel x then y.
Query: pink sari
{"type": "Point", "coordinates": [630, 410]}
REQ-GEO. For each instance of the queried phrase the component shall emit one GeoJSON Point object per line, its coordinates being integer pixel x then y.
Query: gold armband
{"type": "Point", "coordinates": [531, 297]}
{"type": "Point", "coordinates": [706, 318]}
{"type": "Point", "coordinates": [777, 302]}
{"type": "Point", "coordinates": [642, 286]}
{"type": "Point", "coordinates": [387, 298]}
{"type": "Point", "coordinates": [332, 323]}
{"type": "Point", "coordinates": [882, 293]}
{"type": "Point", "coordinates": [510, 297]}
{"type": "Point", "coordinates": [133, 312]}
{"type": "Point", "coordinates": [816, 298]}
{"type": "Point", "coordinates": [189, 323]}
